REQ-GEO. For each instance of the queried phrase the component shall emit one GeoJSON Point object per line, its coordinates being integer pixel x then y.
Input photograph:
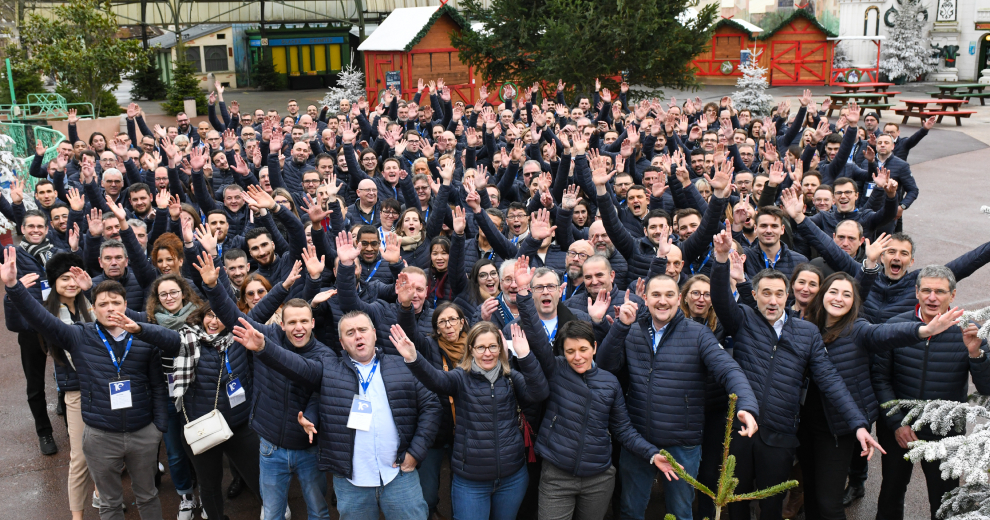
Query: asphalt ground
{"type": "Point", "coordinates": [950, 166]}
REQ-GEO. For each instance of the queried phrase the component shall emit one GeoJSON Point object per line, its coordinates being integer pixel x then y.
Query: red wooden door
{"type": "Point", "coordinates": [799, 63]}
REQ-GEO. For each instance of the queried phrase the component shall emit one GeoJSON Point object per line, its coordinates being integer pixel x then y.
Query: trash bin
{"type": "Point", "coordinates": [189, 106]}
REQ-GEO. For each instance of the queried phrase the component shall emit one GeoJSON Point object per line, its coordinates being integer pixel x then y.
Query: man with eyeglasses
{"type": "Point", "coordinates": [572, 283]}
{"type": "Point", "coordinates": [182, 124]}
{"type": "Point", "coordinates": [367, 209]}
{"type": "Point", "coordinates": [546, 289]}
{"type": "Point", "coordinates": [603, 246]}
{"type": "Point", "coordinates": [846, 193]}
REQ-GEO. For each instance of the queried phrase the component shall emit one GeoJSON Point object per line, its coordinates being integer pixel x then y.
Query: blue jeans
{"type": "Point", "coordinates": [637, 481]}
{"type": "Point", "coordinates": [429, 475]}
{"type": "Point", "coordinates": [497, 499]}
{"type": "Point", "coordinates": [401, 499]}
{"type": "Point", "coordinates": [277, 466]}
{"type": "Point", "coordinates": [178, 461]}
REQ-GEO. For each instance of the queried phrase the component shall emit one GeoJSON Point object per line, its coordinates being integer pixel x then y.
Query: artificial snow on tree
{"type": "Point", "coordinates": [979, 315]}
{"type": "Point", "coordinates": [8, 166]}
{"type": "Point", "coordinates": [350, 86]}
{"type": "Point", "coordinates": [965, 457]}
{"type": "Point", "coordinates": [753, 84]}
{"type": "Point", "coordinates": [907, 52]}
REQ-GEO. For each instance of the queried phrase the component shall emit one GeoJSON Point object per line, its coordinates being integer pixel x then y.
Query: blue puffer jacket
{"type": "Point", "coordinates": [429, 348]}
{"type": "Point", "coordinates": [581, 411]}
{"type": "Point", "coordinates": [135, 291]}
{"type": "Point", "coordinates": [666, 393]}
{"type": "Point", "coordinates": [142, 367]}
{"type": "Point", "coordinates": [850, 354]}
{"type": "Point", "coordinates": [275, 400]}
{"type": "Point", "coordinates": [775, 367]}
{"type": "Point", "coordinates": [487, 441]}
{"type": "Point", "coordinates": [27, 264]}
{"type": "Point", "coordinates": [935, 368]}
{"type": "Point", "coordinates": [415, 409]}
{"type": "Point", "coordinates": [65, 375]}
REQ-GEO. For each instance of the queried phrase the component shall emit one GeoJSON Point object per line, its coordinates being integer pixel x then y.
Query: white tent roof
{"type": "Point", "coordinates": [396, 31]}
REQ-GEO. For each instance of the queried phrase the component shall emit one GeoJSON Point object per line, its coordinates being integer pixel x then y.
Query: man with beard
{"type": "Point", "coordinates": [603, 246]}
{"type": "Point", "coordinates": [545, 287]}
{"type": "Point", "coordinates": [744, 223]}
{"type": "Point", "coordinates": [186, 129]}
{"type": "Point", "coordinates": [366, 210]}
{"type": "Point", "coordinates": [45, 198]}
{"type": "Point", "coordinates": [261, 246]}
{"type": "Point", "coordinates": [572, 284]}
{"type": "Point", "coordinates": [770, 252]}
{"type": "Point", "coordinates": [599, 282]}
{"type": "Point", "coordinates": [235, 262]}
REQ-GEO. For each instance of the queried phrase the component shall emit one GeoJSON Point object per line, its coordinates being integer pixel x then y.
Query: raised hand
{"type": "Point", "coordinates": [74, 238]}
{"type": "Point", "coordinates": [940, 323]}
{"type": "Point", "coordinates": [777, 174]}
{"type": "Point", "coordinates": [523, 273]}
{"type": "Point", "coordinates": [8, 271]}
{"type": "Point", "coordinates": [539, 226]}
{"type": "Point", "coordinates": [519, 342]}
{"type": "Point", "coordinates": [393, 249]}
{"type": "Point", "coordinates": [460, 222]}
{"type": "Point", "coordinates": [95, 221]}
{"type": "Point", "coordinates": [117, 210]}
{"type": "Point", "coordinates": [294, 275]}
{"type": "Point", "coordinates": [598, 308]}
{"type": "Point", "coordinates": [314, 264]}
{"type": "Point", "coordinates": [876, 248]}
{"type": "Point", "coordinates": [737, 266]}
{"type": "Point", "coordinates": [16, 191]}
{"type": "Point", "coordinates": [402, 343]}
{"type": "Point", "coordinates": [722, 243]}
{"type": "Point", "coordinates": [207, 239]}
{"type": "Point", "coordinates": [248, 336]}
{"type": "Point", "coordinates": [81, 277]}
{"type": "Point", "coordinates": [346, 251]}
{"type": "Point", "coordinates": [793, 204]}
{"type": "Point", "coordinates": [119, 319]}
{"type": "Point", "coordinates": [627, 312]}
{"type": "Point", "coordinates": [315, 211]}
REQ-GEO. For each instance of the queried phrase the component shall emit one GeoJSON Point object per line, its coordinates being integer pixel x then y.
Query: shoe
{"type": "Point", "coordinates": [47, 443]}
{"type": "Point", "coordinates": [187, 503]}
{"type": "Point", "coordinates": [96, 500]}
{"type": "Point", "coordinates": [158, 475]}
{"type": "Point", "coordinates": [235, 488]}
{"type": "Point", "coordinates": [852, 494]}
{"type": "Point", "coordinates": [288, 513]}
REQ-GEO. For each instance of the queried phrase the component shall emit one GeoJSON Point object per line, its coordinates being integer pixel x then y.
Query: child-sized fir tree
{"type": "Point", "coordinates": [350, 85]}
{"type": "Point", "coordinates": [966, 457]}
{"type": "Point", "coordinates": [752, 85]}
{"type": "Point", "coordinates": [727, 481]}
{"type": "Point", "coordinates": [907, 52]}
{"type": "Point", "coordinates": [184, 84]}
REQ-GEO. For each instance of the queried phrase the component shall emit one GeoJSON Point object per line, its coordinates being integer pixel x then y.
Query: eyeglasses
{"type": "Point", "coordinates": [366, 190]}
{"type": "Point", "coordinates": [391, 212]}
{"type": "Point", "coordinates": [576, 254]}
{"type": "Point", "coordinates": [422, 188]}
{"type": "Point", "coordinates": [550, 287]}
{"type": "Point", "coordinates": [169, 295]}
{"type": "Point", "coordinates": [448, 322]}
{"type": "Point", "coordinates": [841, 193]}
{"type": "Point", "coordinates": [480, 349]}
{"type": "Point", "coordinates": [311, 181]}
{"type": "Point", "coordinates": [485, 276]}
{"type": "Point", "coordinates": [365, 243]}
{"type": "Point", "coordinates": [210, 315]}
{"type": "Point", "coordinates": [938, 292]}
{"type": "Point", "coordinates": [518, 216]}
{"type": "Point", "coordinates": [699, 294]}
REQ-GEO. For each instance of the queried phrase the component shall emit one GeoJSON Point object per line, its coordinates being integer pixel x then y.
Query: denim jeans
{"type": "Point", "coordinates": [400, 499]}
{"type": "Point", "coordinates": [277, 465]}
{"type": "Point", "coordinates": [429, 475]}
{"type": "Point", "coordinates": [178, 462]}
{"type": "Point", "coordinates": [637, 481]}
{"type": "Point", "coordinates": [497, 499]}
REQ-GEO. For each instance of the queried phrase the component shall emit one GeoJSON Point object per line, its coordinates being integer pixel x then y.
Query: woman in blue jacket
{"type": "Point", "coordinates": [827, 441]}
{"type": "Point", "coordinates": [489, 460]}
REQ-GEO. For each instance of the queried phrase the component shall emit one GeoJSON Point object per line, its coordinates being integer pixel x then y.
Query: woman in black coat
{"type": "Point", "coordinates": [489, 459]}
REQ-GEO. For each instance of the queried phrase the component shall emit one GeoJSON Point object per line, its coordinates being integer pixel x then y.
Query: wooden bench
{"type": "Point", "coordinates": [965, 96]}
{"type": "Point", "coordinates": [906, 112]}
{"type": "Point", "coordinates": [879, 107]}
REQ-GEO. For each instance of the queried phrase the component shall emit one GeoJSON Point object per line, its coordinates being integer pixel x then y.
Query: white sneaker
{"type": "Point", "coordinates": [202, 514]}
{"type": "Point", "coordinates": [96, 500]}
{"type": "Point", "coordinates": [288, 513]}
{"type": "Point", "coordinates": [187, 504]}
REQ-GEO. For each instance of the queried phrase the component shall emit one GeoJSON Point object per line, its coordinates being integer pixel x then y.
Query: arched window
{"type": "Point", "coordinates": [871, 21]}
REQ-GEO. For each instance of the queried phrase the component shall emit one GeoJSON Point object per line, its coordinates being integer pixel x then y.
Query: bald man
{"type": "Point", "coordinates": [572, 283]}
{"type": "Point", "coordinates": [600, 278]}
{"type": "Point", "coordinates": [366, 210]}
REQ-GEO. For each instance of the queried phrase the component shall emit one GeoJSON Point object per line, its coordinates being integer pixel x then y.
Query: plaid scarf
{"type": "Point", "coordinates": [188, 357]}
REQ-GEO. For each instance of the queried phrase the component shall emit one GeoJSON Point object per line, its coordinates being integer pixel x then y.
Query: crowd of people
{"type": "Point", "coordinates": [543, 294]}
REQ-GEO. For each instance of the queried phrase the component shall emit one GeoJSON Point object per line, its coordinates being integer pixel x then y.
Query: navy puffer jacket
{"type": "Point", "coordinates": [135, 291]}
{"type": "Point", "coordinates": [428, 347]}
{"type": "Point", "coordinates": [581, 410]}
{"type": "Point", "coordinates": [415, 409]}
{"type": "Point", "coordinates": [65, 376]}
{"type": "Point", "coordinates": [757, 261]}
{"type": "Point", "coordinates": [666, 394]}
{"type": "Point", "coordinates": [487, 442]}
{"type": "Point", "coordinates": [142, 366]}
{"type": "Point", "coordinates": [775, 367]}
{"type": "Point", "coordinates": [201, 395]}
{"type": "Point", "coordinates": [935, 368]}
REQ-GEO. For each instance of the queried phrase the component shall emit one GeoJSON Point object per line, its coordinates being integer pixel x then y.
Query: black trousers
{"type": "Point", "coordinates": [242, 453]}
{"type": "Point", "coordinates": [711, 460]}
{"type": "Point", "coordinates": [34, 362]}
{"type": "Point", "coordinates": [897, 474]}
{"type": "Point", "coordinates": [824, 464]}
{"type": "Point", "coordinates": [759, 466]}
{"type": "Point", "coordinates": [859, 469]}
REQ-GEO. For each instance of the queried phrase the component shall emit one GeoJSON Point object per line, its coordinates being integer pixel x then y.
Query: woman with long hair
{"type": "Point", "coordinates": [806, 281]}
{"type": "Point", "coordinates": [827, 441]}
{"type": "Point", "coordinates": [283, 197]}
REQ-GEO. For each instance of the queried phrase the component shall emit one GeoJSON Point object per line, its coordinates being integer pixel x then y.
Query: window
{"type": "Point", "coordinates": [192, 56]}
{"type": "Point", "coordinates": [221, 36]}
{"type": "Point", "coordinates": [216, 57]}
{"type": "Point", "coordinates": [871, 25]}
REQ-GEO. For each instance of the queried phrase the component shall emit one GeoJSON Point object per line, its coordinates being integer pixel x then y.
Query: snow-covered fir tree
{"type": "Point", "coordinates": [8, 168]}
{"type": "Point", "coordinates": [965, 457]}
{"type": "Point", "coordinates": [907, 51]}
{"type": "Point", "coordinates": [752, 85]}
{"type": "Point", "coordinates": [350, 86]}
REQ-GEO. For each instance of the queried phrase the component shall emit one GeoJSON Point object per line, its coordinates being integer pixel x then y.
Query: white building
{"type": "Point", "coordinates": [962, 23]}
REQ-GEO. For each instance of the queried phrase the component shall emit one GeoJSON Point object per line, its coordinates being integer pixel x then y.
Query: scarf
{"type": "Point", "coordinates": [188, 356]}
{"type": "Point", "coordinates": [438, 286]}
{"type": "Point", "coordinates": [174, 321]}
{"type": "Point", "coordinates": [411, 243]}
{"type": "Point", "coordinates": [490, 375]}
{"type": "Point", "coordinates": [454, 349]}
{"type": "Point", "coordinates": [42, 252]}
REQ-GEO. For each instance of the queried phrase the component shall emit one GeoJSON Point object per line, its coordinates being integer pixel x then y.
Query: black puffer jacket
{"type": "Point", "coordinates": [415, 409]}
{"type": "Point", "coordinates": [383, 314]}
{"type": "Point", "coordinates": [581, 410]}
{"type": "Point", "coordinates": [775, 367]}
{"type": "Point", "coordinates": [142, 367]}
{"type": "Point", "coordinates": [487, 441]}
{"type": "Point", "coordinates": [757, 261]}
{"type": "Point", "coordinates": [666, 394]}
{"type": "Point", "coordinates": [935, 368]}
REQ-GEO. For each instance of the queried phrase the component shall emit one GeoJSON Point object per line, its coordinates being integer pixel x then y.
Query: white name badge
{"type": "Point", "coordinates": [46, 289]}
{"type": "Point", "coordinates": [235, 392]}
{"type": "Point", "coordinates": [120, 394]}
{"type": "Point", "coordinates": [360, 417]}
{"type": "Point", "coordinates": [171, 384]}
{"type": "Point", "coordinates": [869, 188]}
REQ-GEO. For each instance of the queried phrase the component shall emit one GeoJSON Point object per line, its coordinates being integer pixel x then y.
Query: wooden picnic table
{"type": "Point", "coordinates": [963, 91]}
{"type": "Point", "coordinates": [874, 87]}
{"type": "Point", "coordinates": [944, 107]}
{"type": "Point", "coordinates": [874, 100]}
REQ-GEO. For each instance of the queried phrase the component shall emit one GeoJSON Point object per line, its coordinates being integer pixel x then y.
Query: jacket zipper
{"type": "Point", "coordinates": [769, 379]}
{"type": "Point", "coordinates": [584, 426]}
{"type": "Point", "coordinates": [498, 448]}
{"type": "Point", "coordinates": [924, 371]}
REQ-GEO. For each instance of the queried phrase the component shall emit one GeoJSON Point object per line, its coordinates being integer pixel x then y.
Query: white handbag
{"type": "Point", "coordinates": [209, 430]}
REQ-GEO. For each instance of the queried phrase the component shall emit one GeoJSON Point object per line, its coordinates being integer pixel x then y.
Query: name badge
{"type": "Point", "coordinates": [869, 188]}
{"type": "Point", "coordinates": [46, 289]}
{"type": "Point", "coordinates": [360, 417]}
{"type": "Point", "coordinates": [120, 394]}
{"type": "Point", "coordinates": [171, 384]}
{"type": "Point", "coordinates": [235, 392]}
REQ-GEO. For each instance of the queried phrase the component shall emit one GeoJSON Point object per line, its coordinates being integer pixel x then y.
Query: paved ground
{"type": "Point", "coordinates": [949, 168]}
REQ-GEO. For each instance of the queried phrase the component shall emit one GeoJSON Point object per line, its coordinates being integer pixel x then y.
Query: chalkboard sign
{"type": "Point", "coordinates": [393, 78]}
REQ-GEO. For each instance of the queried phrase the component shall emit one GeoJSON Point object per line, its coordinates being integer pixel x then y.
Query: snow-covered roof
{"type": "Point", "coordinates": [753, 28]}
{"type": "Point", "coordinates": [405, 26]}
{"type": "Point", "coordinates": [369, 29]}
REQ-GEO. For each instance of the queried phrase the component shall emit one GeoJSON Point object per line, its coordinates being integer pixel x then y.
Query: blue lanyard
{"type": "Point", "coordinates": [381, 236]}
{"type": "Point", "coordinates": [507, 317]}
{"type": "Point", "coordinates": [705, 261]}
{"type": "Point", "coordinates": [113, 357]}
{"type": "Point", "coordinates": [515, 240]}
{"type": "Point", "coordinates": [551, 335]}
{"type": "Point", "coordinates": [226, 361]}
{"type": "Point", "coordinates": [366, 221]}
{"type": "Point", "coordinates": [491, 254]}
{"type": "Point", "coordinates": [766, 261]}
{"type": "Point", "coordinates": [220, 250]}
{"type": "Point", "coordinates": [371, 375]}
{"type": "Point", "coordinates": [373, 271]}
{"type": "Point", "coordinates": [426, 214]}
